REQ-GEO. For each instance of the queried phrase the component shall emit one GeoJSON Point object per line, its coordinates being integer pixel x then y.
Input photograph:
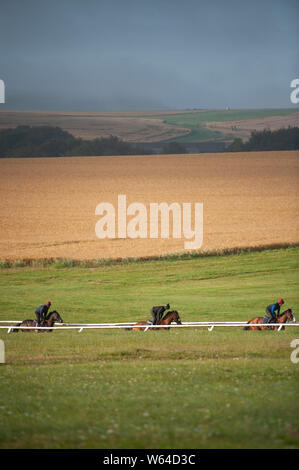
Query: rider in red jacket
{"type": "Point", "coordinates": [270, 316]}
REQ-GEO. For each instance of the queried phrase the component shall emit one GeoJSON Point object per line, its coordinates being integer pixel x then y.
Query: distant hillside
{"type": "Point", "coordinates": [184, 126]}
{"type": "Point", "coordinates": [128, 127]}
{"type": "Point", "coordinates": [231, 123]}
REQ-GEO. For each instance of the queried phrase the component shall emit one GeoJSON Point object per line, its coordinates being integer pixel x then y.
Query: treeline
{"type": "Point", "coordinates": [282, 139]}
{"type": "Point", "coordinates": [47, 141]}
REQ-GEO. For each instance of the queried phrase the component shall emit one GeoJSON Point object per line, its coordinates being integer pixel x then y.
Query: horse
{"type": "Point", "coordinates": [282, 318]}
{"type": "Point", "coordinates": [49, 321]}
{"type": "Point", "coordinates": [172, 316]}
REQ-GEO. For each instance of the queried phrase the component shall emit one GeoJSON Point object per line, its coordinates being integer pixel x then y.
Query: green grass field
{"type": "Point", "coordinates": [183, 388]}
{"type": "Point", "coordinates": [195, 121]}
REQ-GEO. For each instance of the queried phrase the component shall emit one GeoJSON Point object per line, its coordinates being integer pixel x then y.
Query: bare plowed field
{"type": "Point", "coordinates": [243, 128]}
{"type": "Point", "coordinates": [47, 206]}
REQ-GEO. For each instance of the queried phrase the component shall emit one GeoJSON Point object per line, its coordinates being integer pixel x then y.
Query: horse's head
{"type": "Point", "coordinates": [176, 317]}
{"type": "Point", "coordinates": [290, 315]}
{"type": "Point", "coordinates": [55, 316]}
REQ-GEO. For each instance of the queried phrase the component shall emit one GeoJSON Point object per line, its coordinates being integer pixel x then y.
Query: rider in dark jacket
{"type": "Point", "coordinates": [157, 312]}
{"type": "Point", "coordinates": [270, 316]}
{"type": "Point", "coordinates": [41, 312]}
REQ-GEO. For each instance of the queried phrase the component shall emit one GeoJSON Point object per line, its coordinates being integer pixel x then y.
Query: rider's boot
{"type": "Point", "coordinates": [265, 321]}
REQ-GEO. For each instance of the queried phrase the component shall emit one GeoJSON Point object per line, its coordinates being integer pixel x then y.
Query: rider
{"type": "Point", "coordinates": [270, 316]}
{"type": "Point", "coordinates": [41, 312]}
{"type": "Point", "coordinates": [157, 312]}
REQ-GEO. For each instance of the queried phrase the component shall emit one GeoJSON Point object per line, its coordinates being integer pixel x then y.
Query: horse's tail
{"type": "Point", "coordinates": [16, 330]}
{"type": "Point", "coordinates": [247, 327]}
{"type": "Point", "coordinates": [128, 329]}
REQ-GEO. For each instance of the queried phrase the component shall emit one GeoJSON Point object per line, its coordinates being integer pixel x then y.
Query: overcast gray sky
{"type": "Point", "coordinates": [148, 54]}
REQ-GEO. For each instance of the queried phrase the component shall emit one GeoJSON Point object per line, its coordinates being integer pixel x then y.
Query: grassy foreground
{"type": "Point", "coordinates": [187, 388]}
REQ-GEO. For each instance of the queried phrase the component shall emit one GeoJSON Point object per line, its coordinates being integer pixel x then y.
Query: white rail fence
{"type": "Point", "coordinates": [102, 326]}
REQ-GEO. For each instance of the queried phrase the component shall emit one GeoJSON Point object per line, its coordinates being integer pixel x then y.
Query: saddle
{"type": "Point", "coordinates": [267, 319]}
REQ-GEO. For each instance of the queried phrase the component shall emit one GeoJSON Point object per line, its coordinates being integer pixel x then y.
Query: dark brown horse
{"type": "Point", "coordinates": [49, 321]}
{"type": "Point", "coordinates": [282, 318]}
{"type": "Point", "coordinates": [172, 316]}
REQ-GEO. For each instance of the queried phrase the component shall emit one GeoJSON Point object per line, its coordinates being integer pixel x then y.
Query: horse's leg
{"type": "Point", "coordinates": [31, 323]}
{"type": "Point", "coordinates": [16, 330]}
{"type": "Point", "coordinates": [26, 323]}
{"type": "Point", "coordinates": [252, 328]}
{"type": "Point", "coordinates": [276, 327]}
{"type": "Point", "coordinates": [164, 323]}
{"type": "Point", "coordinates": [49, 324]}
{"type": "Point", "coordinates": [34, 329]}
{"type": "Point", "coordinates": [264, 327]}
{"type": "Point", "coordinates": [135, 327]}
{"type": "Point", "coordinates": [259, 321]}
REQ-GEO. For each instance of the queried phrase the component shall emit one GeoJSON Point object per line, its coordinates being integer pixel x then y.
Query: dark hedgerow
{"type": "Point", "coordinates": [94, 263]}
{"type": "Point", "coordinates": [47, 141]}
{"type": "Point", "coordinates": [282, 139]}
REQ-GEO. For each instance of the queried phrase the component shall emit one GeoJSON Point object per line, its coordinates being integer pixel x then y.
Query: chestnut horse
{"type": "Point", "coordinates": [49, 321]}
{"type": "Point", "coordinates": [168, 318]}
{"type": "Point", "coordinates": [282, 318]}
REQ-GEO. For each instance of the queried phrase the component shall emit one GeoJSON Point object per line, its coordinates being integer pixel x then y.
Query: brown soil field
{"type": "Point", "coordinates": [127, 126]}
{"type": "Point", "coordinates": [243, 129]}
{"type": "Point", "coordinates": [47, 206]}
